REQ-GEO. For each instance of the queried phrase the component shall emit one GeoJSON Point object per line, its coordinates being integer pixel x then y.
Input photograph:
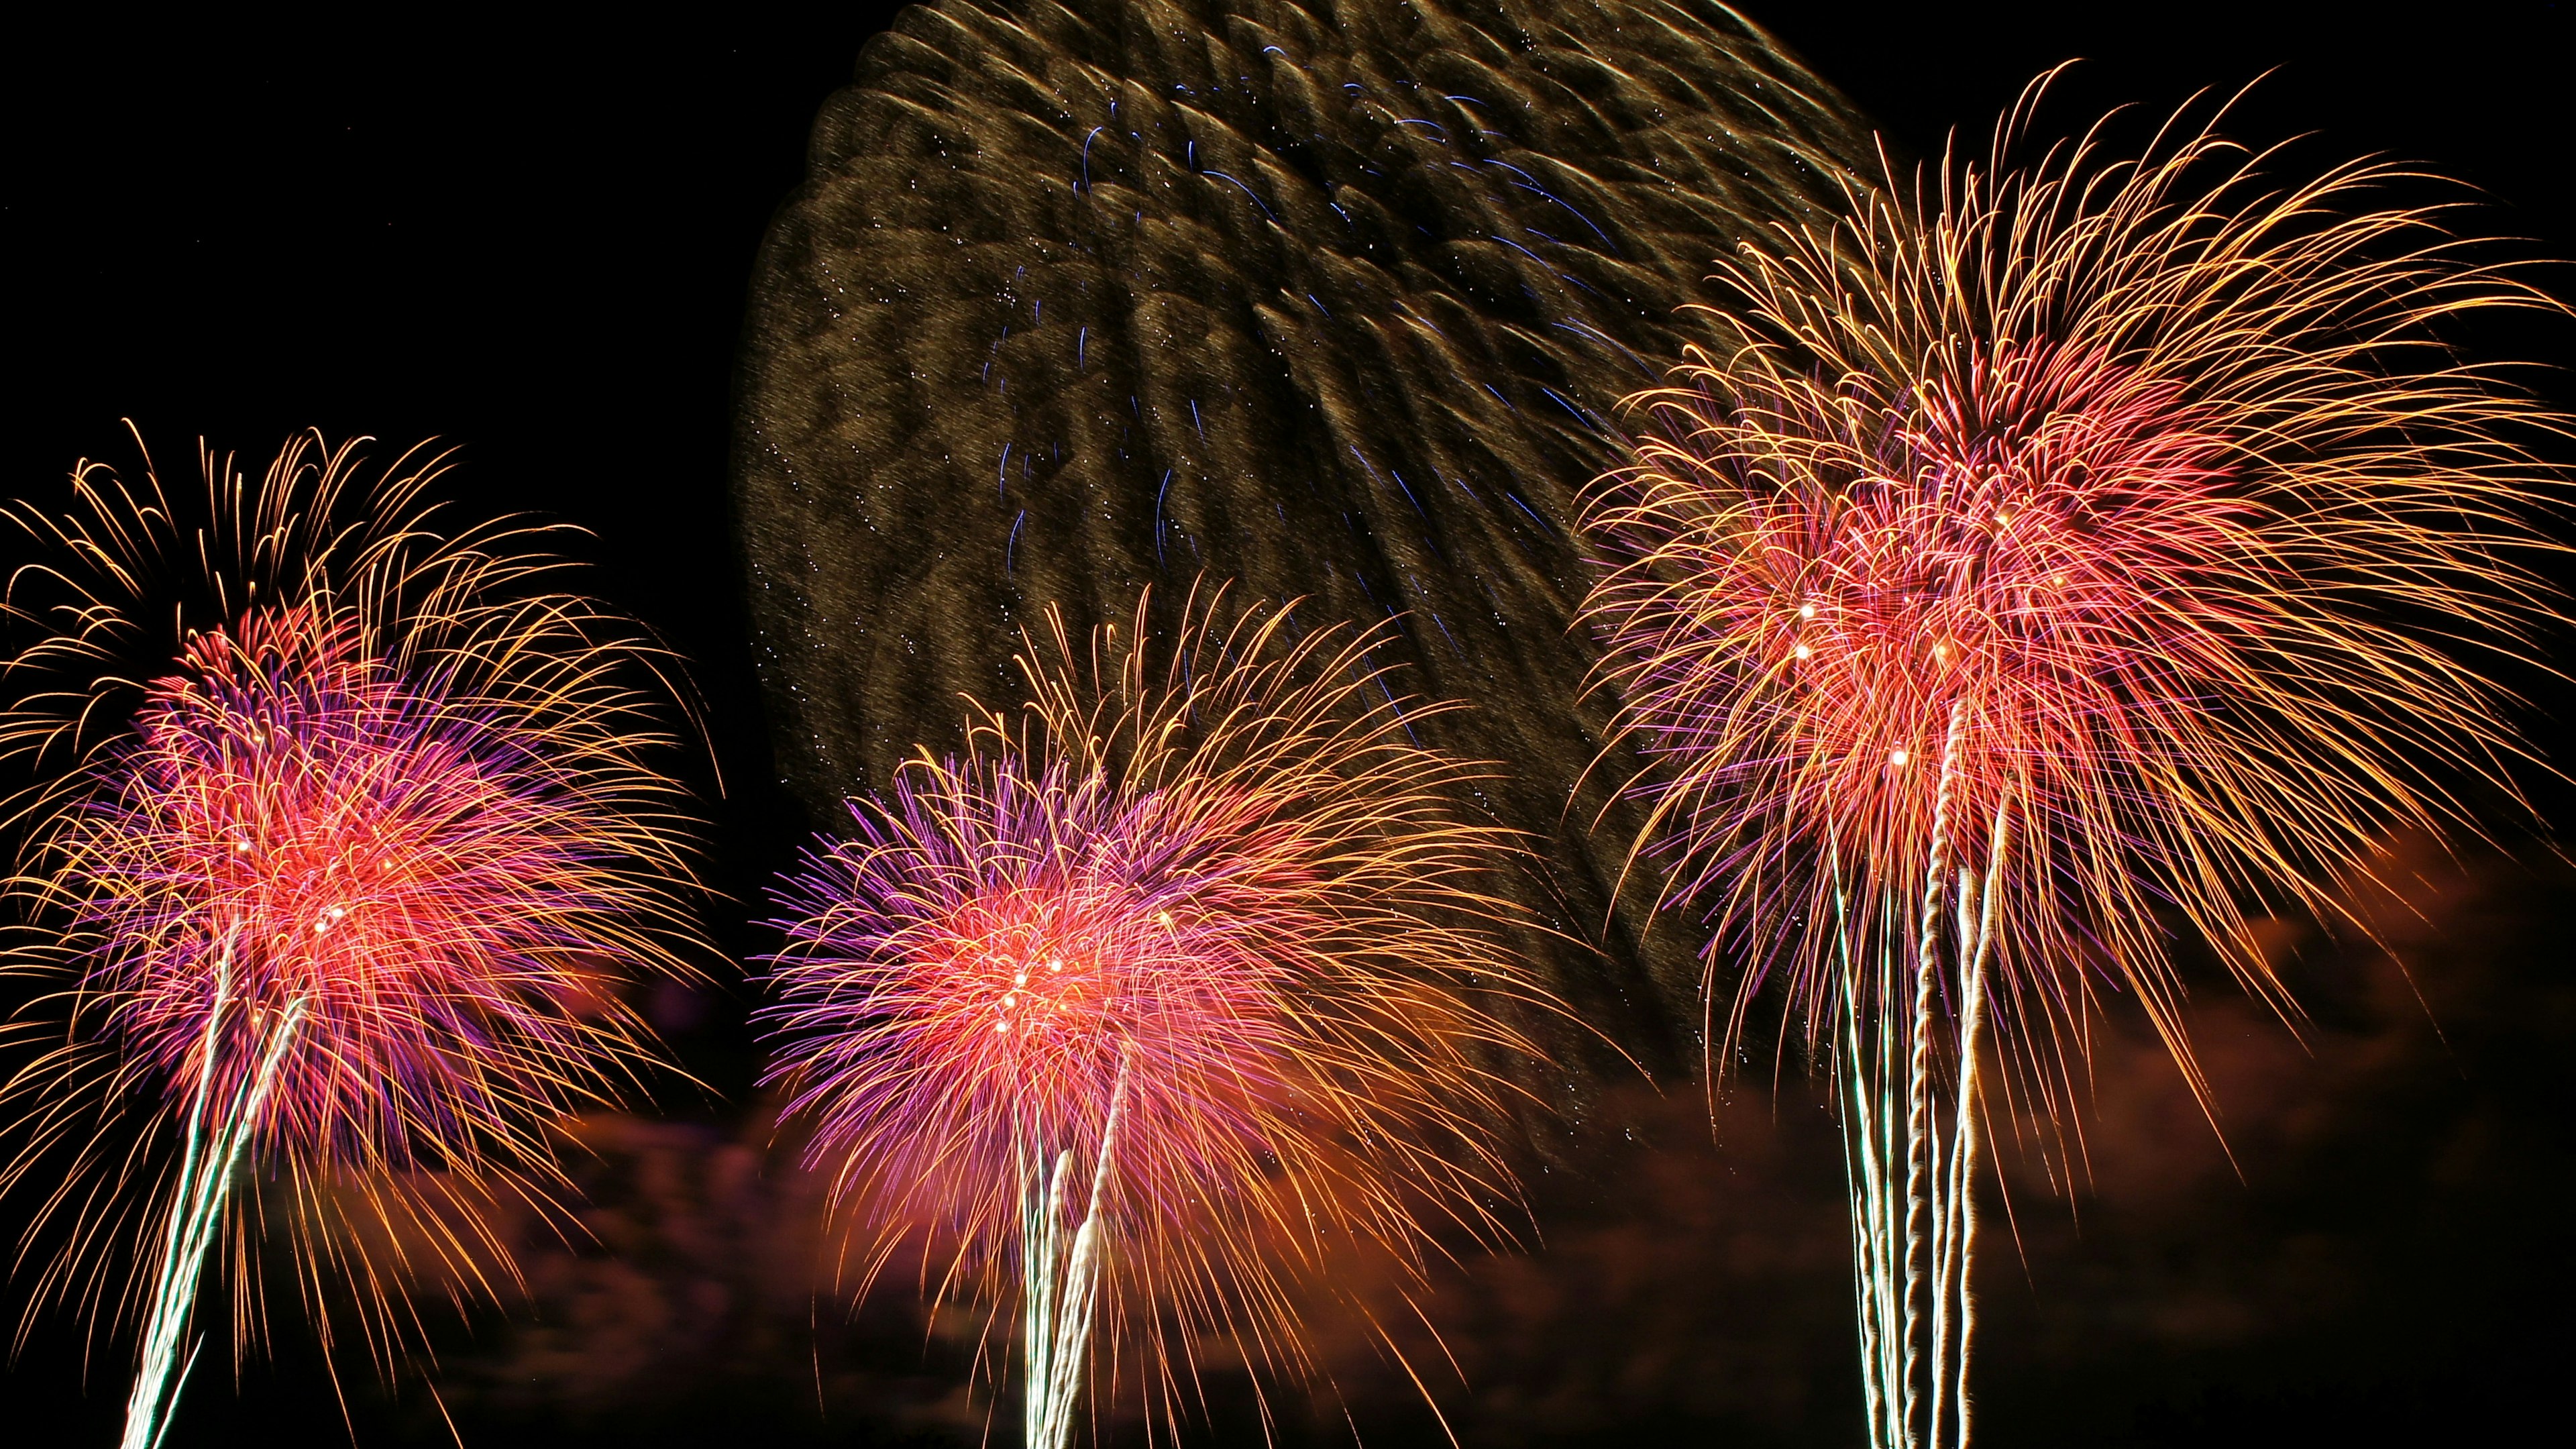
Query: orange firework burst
{"type": "Point", "coordinates": [1191, 964]}
{"type": "Point", "coordinates": [2068, 547]}
{"type": "Point", "coordinates": [336, 880]}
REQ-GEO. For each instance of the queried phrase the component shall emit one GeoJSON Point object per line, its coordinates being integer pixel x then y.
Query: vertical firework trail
{"type": "Point", "coordinates": [2037, 561]}
{"type": "Point", "coordinates": [342, 891]}
{"type": "Point", "coordinates": [1177, 990]}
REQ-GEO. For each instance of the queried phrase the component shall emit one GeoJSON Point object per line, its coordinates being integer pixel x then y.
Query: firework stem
{"type": "Point", "coordinates": [1963, 1157]}
{"type": "Point", "coordinates": [205, 1182]}
{"type": "Point", "coordinates": [1913, 1234]}
{"type": "Point", "coordinates": [1870, 1149]}
{"type": "Point", "coordinates": [1923, 1147]}
{"type": "Point", "coordinates": [1059, 1308]}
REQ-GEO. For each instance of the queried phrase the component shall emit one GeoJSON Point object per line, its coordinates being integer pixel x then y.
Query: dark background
{"type": "Point", "coordinates": [533, 240]}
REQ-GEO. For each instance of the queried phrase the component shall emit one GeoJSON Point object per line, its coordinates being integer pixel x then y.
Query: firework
{"type": "Point", "coordinates": [339, 889]}
{"type": "Point", "coordinates": [1169, 991]}
{"type": "Point", "coordinates": [1331, 307]}
{"type": "Point", "coordinates": [2047, 555]}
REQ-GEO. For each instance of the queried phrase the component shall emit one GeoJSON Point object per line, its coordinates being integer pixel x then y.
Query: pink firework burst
{"type": "Point", "coordinates": [2130, 504]}
{"type": "Point", "coordinates": [342, 891]}
{"type": "Point", "coordinates": [2048, 558]}
{"type": "Point", "coordinates": [297, 821]}
{"type": "Point", "coordinates": [1192, 965]}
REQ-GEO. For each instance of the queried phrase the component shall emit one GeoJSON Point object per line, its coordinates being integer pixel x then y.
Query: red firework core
{"type": "Point", "coordinates": [1030, 995]}
{"type": "Point", "coordinates": [2021, 534]}
{"type": "Point", "coordinates": [295, 824]}
{"type": "Point", "coordinates": [1029, 970]}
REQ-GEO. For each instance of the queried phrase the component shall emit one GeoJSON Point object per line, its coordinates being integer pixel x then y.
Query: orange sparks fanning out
{"type": "Point", "coordinates": [328, 894]}
{"type": "Point", "coordinates": [1159, 994]}
{"type": "Point", "coordinates": [2038, 563]}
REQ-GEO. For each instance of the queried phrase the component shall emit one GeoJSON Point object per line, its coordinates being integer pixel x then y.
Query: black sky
{"type": "Point", "coordinates": [532, 239]}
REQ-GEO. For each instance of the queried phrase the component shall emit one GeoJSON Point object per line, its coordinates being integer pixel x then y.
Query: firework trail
{"type": "Point", "coordinates": [2043, 556]}
{"type": "Point", "coordinates": [337, 883]}
{"type": "Point", "coordinates": [1169, 991]}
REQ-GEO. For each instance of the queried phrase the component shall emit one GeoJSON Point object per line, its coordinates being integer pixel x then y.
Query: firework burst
{"type": "Point", "coordinates": [1160, 996]}
{"type": "Point", "coordinates": [336, 883]}
{"type": "Point", "coordinates": [2053, 556]}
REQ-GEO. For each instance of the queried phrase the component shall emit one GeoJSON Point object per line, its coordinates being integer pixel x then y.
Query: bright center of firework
{"type": "Point", "coordinates": [2012, 539]}
{"type": "Point", "coordinates": [1039, 992]}
{"type": "Point", "coordinates": [293, 820]}
{"type": "Point", "coordinates": [1022, 969]}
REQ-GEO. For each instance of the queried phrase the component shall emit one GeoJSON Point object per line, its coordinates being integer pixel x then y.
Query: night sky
{"type": "Point", "coordinates": [535, 242]}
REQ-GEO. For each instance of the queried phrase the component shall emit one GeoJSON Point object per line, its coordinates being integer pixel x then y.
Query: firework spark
{"type": "Point", "coordinates": [340, 890]}
{"type": "Point", "coordinates": [1196, 948]}
{"type": "Point", "coordinates": [2060, 552]}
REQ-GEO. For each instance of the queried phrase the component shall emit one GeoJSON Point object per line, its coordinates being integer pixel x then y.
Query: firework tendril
{"type": "Point", "coordinates": [1161, 996]}
{"type": "Point", "coordinates": [2053, 560]}
{"type": "Point", "coordinates": [335, 886]}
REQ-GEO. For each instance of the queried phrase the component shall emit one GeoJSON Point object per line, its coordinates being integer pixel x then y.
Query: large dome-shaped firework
{"type": "Point", "coordinates": [1329, 301]}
